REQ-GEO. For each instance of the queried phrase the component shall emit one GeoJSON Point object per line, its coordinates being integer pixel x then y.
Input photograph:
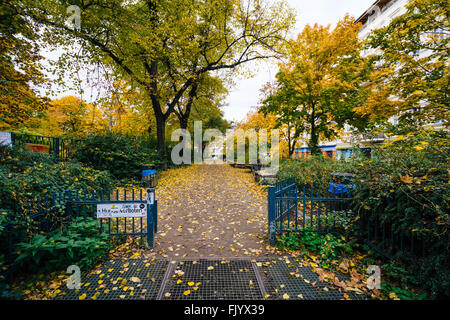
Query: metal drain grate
{"type": "Point", "coordinates": [212, 280]}
{"type": "Point", "coordinates": [205, 279]}
{"type": "Point", "coordinates": [286, 276]}
{"type": "Point", "coordinates": [132, 279]}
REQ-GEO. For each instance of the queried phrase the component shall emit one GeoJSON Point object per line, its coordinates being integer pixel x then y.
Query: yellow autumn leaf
{"type": "Point", "coordinates": [187, 292]}
{"type": "Point", "coordinates": [82, 297]}
{"type": "Point", "coordinates": [406, 179]}
{"type": "Point", "coordinates": [393, 296]}
{"type": "Point", "coordinates": [286, 296]}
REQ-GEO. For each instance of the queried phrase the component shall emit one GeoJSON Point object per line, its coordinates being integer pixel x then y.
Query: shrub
{"type": "Point", "coordinates": [121, 155]}
{"type": "Point", "coordinates": [24, 175]}
{"type": "Point", "coordinates": [328, 247]}
{"type": "Point", "coordinates": [81, 244]}
{"type": "Point", "coordinates": [315, 170]}
{"type": "Point", "coordinates": [407, 187]}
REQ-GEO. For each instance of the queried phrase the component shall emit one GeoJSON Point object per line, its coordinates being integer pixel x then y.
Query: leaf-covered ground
{"type": "Point", "coordinates": [209, 211]}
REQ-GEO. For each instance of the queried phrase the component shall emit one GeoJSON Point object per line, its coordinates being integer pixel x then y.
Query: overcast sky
{"type": "Point", "coordinates": [246, 93]}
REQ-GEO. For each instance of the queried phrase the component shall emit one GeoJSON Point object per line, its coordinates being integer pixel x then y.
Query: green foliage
{"type": "Point", "coordinates": [411, 78]}
{"type": "Point", "coordinates": [401, 293]}
{"type": "Point", "coordinates": [407, 186]}
{"type": "Point", "coordinates": [5, 289]}
{"type": "Point", "coordinates": [123, 156]}
{"type": "Point", "coordinates": [328, 247]}
{"type": "Point", "coordinates": [25, 175]}
{"type": "Point", "coordinates": [81, 244]}
{"type": "Point", "coordinates": [315, 170]}
{"type": "Point", "coordinates": [398, 274]}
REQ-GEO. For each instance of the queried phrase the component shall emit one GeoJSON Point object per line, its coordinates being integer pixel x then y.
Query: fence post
{"type": "Point", "coordinates": [56, 148]}
{"type": "Point", "coordinates": [155, 216]}
{"type": "Point", "coordinates": [68, 204]}
{"type": "Point", "coordinates": [150, 216]}
{"type": "Point", "coordinates": [271, 208]}
{"type": "Point", "coordinates": [13, 139]}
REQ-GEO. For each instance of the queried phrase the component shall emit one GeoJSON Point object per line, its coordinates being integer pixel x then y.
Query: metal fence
{"type": "Point", "coordinates": [61, 148]}
{"type": "Point", "coordinates": [390, 240]}
{"type": "Point", "coordinates": [293, 208]}
{"type": "Point", "coordinates": [47, 213]}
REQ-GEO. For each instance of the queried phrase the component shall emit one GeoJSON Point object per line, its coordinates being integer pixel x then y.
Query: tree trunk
{"type": "Point", "coordinates": [161, 136]}
{"type": "Point", "coordinates": [314, 138]}
{"type": "Point", "coordinates": [183, 125]}
{"type": "Point", "coordinates": [314, 142]}
{"type": "Point", "coordinates": [183, 122]}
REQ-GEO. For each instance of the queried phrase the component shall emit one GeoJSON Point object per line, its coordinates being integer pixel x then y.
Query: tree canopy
{"type": "Point", "coordinates": [411, 78]}
{"type": "Point", "coordinates": [165, 47]}
{"type": "Point", "coordinates": [20, 68]}
{"type": "Point", "coordinates": [320, 84]}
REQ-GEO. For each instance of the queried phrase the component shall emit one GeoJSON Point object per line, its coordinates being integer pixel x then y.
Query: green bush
{"type": "Point", "coordinates": [407, 186]}
{"type": "Point", "coordinates": [315, 170]}
{"type": "Point", "coordinates": [25, 175]}
{"type": "Point", "coordinates": [123, 156]}
{"type": "Point", "coordinates": [81, 244]}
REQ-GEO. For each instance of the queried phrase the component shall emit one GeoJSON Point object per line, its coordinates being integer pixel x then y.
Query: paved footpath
{"type": "Point", "coordinates": [210, 211]}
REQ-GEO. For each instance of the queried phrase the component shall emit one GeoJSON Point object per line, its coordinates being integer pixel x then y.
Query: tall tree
{"type": "Point", "coordinates": [412, 77]}
{"type": "Point", "coordinates": [165, 46]}
{"type": "Point", "coordinates": [288, 118]}
{"type": "Point", "coordinates": [19, 67]}
{"type": "Point", "coordinates": [321, 83]}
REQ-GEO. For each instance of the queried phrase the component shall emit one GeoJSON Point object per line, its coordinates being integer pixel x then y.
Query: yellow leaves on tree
{"type": "Point", "coordinates": [71, 116]}
{"type": "Point", "coordinates": [19, 68]}
{"type": "Point", "coordinates": [319, 85]}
